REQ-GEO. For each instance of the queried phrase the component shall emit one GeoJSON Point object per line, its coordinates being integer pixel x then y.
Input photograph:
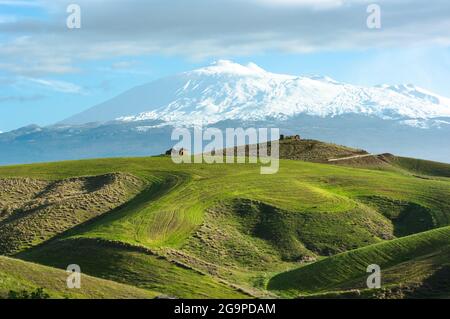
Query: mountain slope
{"type": "Point", "coordinates": [230, 91]}
{"type": "Point", "coordinates": [404, 120]}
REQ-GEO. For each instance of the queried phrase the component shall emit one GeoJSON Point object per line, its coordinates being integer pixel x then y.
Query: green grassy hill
{"type": "Point", "coordinates": [315, 151]}
{"type": "Point", "coordinates": [322, 152]}
{"type": "Point", "coordinates": [307, 150]}
{"type": "Point", "coordinates": [418, 168]}
{"type": "Point", "coordinates": [422, 167]}
{"type": "Point", "coordinates": [409, 261]}
{"type": "Point", "coordinates": [134, 266]}
{"type": "Point", "coordinates": [199, 230]}
{"type": "Point", "coordinates": [18, 276]}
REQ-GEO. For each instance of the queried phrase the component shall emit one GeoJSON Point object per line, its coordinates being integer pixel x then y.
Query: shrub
{"type": "Point", "coordinates": [39, 293]}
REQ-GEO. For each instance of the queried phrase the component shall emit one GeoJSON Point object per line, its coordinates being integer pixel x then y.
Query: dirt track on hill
{"type": "Point", "coordinates": [350, 157]}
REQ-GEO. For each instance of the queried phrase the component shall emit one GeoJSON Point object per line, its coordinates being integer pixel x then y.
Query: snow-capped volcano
{"type": "Point", "coordinates": [399, 119]}
{"type": "Point", "coordinates": [230, 91]}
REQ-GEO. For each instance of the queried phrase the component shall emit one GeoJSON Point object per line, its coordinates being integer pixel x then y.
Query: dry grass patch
{"type": "Point", "coordinates": [33, 211]}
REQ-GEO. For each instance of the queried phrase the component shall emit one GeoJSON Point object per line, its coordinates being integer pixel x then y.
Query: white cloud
{"type": "Point", "coordinates": [205, 28]}
{"type": "Point", "coordinates": [58, 86]}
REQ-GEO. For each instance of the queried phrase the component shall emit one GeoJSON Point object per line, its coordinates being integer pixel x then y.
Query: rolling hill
{"type": "Point", "coordinates": [221, 230]}
{"type": "Point", "coordinates": [314, 151]}
{"type": "Point", "coordinates": [305, 150]}
{"type": "Point", "coordinates": [18, 276]}
{"type": "Point", "coordinates": [412, 263]}
{"type": "Point", "coordinates": [32, 210]}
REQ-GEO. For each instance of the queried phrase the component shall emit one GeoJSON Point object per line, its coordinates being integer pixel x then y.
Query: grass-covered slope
{"type": "Point", "coordinates": [134, 266]}
{"type": "Point", "coordinates": [416, 167]}
{"type": "Point", "coordinates": [17, 275]}
{"type": "Point", "coordinates": [174, 204]}
{"type": "Point", "coordinates": [34, 210]}
{"type": "Point", "coordinates": [407, 260]}
{"type": "Point", "coordinates": [198, 230]}
{"type": "Point", "coordinates": [407, 217]}
{"type": "Point", "coordinates": [315, 151]}
{"type": "Point", "coordinates": [256, 235]}
{"type": "Point", "coordinates": [306, 150]}
{"type": "Point", "coordinates": [422, 167]}
{"type": "Point", "coordinates": [322, 152]}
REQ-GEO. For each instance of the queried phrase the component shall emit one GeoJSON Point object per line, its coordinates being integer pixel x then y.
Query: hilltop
{"type": "Point", "coordinates": [292, 148]}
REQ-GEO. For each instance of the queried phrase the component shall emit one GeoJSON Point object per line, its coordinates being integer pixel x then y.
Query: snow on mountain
{"type": "Point", "coordinates": [227, 90]}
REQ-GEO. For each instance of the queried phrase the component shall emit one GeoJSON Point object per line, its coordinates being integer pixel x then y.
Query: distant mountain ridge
{"type": "Point", "coordinates": [230, 91]}
{"type": "Point", "coordinates": [400, 119]}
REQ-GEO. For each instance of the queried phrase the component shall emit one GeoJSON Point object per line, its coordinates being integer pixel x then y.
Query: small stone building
{"type": "Point", "coordinates": [293, 137]}
{"type": "Point", "coordinates": [181, 152]}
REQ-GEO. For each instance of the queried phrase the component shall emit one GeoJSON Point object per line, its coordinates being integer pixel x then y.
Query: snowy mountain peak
{"type": "Point", "coordinates": [230, 91]}
{"type": "Point", "coordinates": [221, 67]}
{"type": "Point", "coordinates": [418, 92]}
{"type": "Point", "coordinates": [323, 78]}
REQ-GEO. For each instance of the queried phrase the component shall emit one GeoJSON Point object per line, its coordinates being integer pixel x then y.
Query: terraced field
{"type": "Point", "coordinates": [214, 231]}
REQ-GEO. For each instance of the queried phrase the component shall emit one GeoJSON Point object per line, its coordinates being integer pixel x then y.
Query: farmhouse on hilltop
{"type": "Point", "coordinates": [293, 137]}
{"type": "Point", "coordinates": [181, 152]}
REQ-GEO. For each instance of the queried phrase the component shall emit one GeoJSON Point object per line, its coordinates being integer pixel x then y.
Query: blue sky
{"type": "Point", "coordinates": [48, 72]}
